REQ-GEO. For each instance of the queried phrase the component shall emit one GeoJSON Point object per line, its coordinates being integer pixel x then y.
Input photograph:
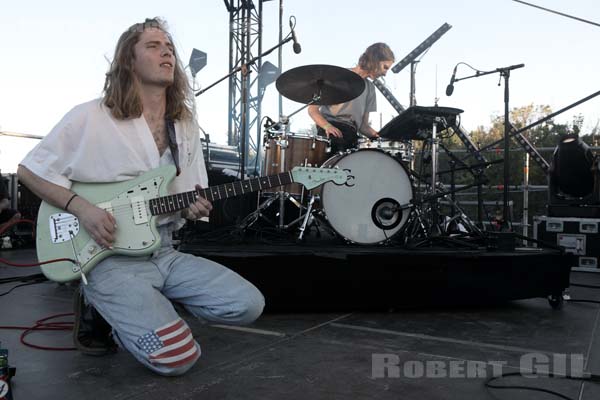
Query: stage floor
{"type": "Point", "coordinates": [329, 354]}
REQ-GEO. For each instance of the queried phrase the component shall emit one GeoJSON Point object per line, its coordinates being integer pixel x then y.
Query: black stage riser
{"type": "Point", "coordinates": [303, 282]}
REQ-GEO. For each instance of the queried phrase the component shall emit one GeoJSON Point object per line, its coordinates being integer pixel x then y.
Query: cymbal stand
{"type": "Point", "coordinates": [255, 215]}
{"type": "Point", "coordinates": [287, 196]}
{"type": "Point", "coordinates": [436, 191]}
{"type": "Point", "coordinates": [307, 216]}
{"type": "Point", "coordinates": [454, 207]}
{"type": "Point", "coordinates": [419, 224]}
{"type": "Point", "coordinates": [251, 218]}
{"type": "Point", "coordinates": [284, 119]}
{"type": "Point", "coordinates": [415, 225]}
{"type": "Point", "coordinates": [434, 171]}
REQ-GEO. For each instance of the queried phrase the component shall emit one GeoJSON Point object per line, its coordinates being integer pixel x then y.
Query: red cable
{"type": "Point", "coordinates": [18, 222]}
{"type": "Point", "coordinates": [4, 261]}
{"type": "Point", "coordinates": [40, 325]}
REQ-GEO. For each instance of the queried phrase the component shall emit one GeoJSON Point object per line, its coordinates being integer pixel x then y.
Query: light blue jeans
{"type": "Point", "coordinates": [134, 295]}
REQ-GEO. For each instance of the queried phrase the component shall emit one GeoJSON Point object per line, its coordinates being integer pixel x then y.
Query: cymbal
{"type": "Point", "coordinates": [416, 122]}
{"type": "Point", "coordinates": [335, 84]}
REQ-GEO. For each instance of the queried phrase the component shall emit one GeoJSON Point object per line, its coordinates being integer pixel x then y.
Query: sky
{"type": "Point", "coordinates": [55, 55]}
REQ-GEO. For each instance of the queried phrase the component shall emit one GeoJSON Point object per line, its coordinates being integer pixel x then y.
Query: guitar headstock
{"type": "Point", "coordinates": [312, 177]}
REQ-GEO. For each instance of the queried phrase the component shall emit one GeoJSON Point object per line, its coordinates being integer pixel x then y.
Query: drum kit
{"type": "Point", "coordinates": [380, 203]}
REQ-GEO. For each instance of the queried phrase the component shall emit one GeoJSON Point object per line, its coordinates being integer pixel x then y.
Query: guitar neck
{"type": "Point", "coordinates": [388, 96]}
{"type": "Point", "coordinates": [180, 201]}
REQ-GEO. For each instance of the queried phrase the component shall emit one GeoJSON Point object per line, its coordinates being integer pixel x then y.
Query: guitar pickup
{"type": "Point", "coordinates": [106, 206]}
{"type": "Point", "coordinates": [140, 212]}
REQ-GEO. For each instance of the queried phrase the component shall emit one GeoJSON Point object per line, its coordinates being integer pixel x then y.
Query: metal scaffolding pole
{"type": "Point", "coordinates": [245, 41]}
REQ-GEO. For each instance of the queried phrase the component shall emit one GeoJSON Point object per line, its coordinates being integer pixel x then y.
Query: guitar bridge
{"type": "Point", "coordinates": [62, 227]}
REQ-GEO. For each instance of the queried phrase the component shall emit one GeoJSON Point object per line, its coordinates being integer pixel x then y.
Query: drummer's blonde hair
{"type": "Point", "coordinates": [120, 90]}
{"type": "Point", "coordinates": [373, 55]}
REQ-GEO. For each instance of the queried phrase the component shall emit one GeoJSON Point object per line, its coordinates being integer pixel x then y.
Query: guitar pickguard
{"type": "Point", "coordinates": [64, 236]}
{"type": "Point", "coordinates": [130, 210]}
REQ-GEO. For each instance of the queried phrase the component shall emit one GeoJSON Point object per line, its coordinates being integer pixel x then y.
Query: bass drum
{"type": "Point", "coordinates": [375, 204]}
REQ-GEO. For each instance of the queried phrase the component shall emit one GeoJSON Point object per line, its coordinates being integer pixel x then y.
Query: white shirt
{"type": "Point", "coordinates": [90, 145]}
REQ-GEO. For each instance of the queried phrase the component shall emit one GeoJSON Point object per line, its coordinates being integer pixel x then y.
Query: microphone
{"type": "Point", "coordinates": [269, 123]}
{"type": "Point", "coordinates": [297, 47]}
{"type": "Point", "coordinates": [386, 212]}
{"type": "Point", "coordinates": [450, 87]}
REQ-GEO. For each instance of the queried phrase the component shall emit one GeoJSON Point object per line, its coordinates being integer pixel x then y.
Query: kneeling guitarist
{"type": "Point", "coordinates": [144, 120]}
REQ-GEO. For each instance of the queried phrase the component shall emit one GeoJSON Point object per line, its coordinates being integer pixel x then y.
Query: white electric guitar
{"type": "Point", "coordinates": [135, 204]}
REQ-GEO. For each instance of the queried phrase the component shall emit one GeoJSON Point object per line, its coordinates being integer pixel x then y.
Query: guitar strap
{"type": "Point", "coordinates": [173, 142]}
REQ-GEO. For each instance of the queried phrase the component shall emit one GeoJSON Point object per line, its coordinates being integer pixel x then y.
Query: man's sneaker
{"type": "Point", "coordinates": [92, 335]}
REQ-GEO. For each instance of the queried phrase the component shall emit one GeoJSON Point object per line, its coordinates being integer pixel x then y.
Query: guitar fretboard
{"type": "Point", "coordinates": [180, 201]}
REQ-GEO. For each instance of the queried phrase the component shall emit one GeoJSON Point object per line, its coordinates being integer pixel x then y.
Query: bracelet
{"type": "Point", "coordinates": [327, 125]}
{"type": "Point", "coordinates": [69, 202]}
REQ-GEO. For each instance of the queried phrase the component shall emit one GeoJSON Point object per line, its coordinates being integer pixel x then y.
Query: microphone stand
{"type": "Point", "coordinates": [504, 73]}
{"type": "Point", "coordinates": [245, 69]}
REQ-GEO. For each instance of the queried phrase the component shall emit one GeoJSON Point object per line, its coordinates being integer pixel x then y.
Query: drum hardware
{"type": "Point", "coordinates": [434, 172]}
{"type": "Point", "coordinates": [476, 171]}
{"type": "Point", "coordinates": [416, 226]}
{"type": "Point", "coordinates": [251, 218]}
{"type": "Point", "coordinates": [429, 230]}
{"type": "Point", "coordinates": [403, 150]}
{"type": "Point", "coordinates": [456, 212]}
{"type": "Point", "coordinates": [278, 198]}
{"type": "Point", "coordinates": [307, 216]}
{"type": "Point", "coordinates": [422, 123]}
{"type": "Point", "coordinates": [282, 198]}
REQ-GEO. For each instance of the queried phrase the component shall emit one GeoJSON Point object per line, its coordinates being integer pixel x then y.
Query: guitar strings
{"type": "Point", "coordinates": [227, 188]}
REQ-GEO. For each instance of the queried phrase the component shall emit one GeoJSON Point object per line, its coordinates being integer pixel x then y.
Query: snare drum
{"type": "Point", "coordinates": [285, 152]}
{"type": "Point", "coordinates": [395, 148]}
{"type": "Point", "coordinates": [374, 205]}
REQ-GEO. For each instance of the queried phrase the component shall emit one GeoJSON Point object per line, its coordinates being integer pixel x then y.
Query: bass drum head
{"type": "Point", "coordinates": [365, 211]}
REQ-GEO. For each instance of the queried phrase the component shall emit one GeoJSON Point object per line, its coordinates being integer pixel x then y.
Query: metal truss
{"type": "Point", "coordinates": [245, 96]}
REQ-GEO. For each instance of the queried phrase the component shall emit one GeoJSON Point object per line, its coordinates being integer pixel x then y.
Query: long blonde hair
{"type": "Point", "coordinates": [120, 90]}
{"type": "Point", "coordinates": [373, 55]}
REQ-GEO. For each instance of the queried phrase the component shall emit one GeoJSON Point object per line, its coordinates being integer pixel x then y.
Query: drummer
{"type": "Point", "coordinates": [342, 122]}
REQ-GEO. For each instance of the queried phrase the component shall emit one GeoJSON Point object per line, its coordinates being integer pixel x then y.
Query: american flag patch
{"type": "Point", "coordinates": [171, 345]}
